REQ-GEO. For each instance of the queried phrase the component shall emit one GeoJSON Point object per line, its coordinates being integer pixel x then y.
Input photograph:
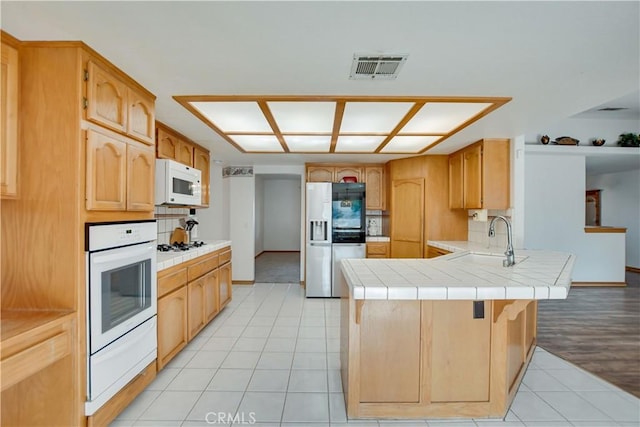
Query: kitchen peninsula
{"type": "Point", "coordinates": [444, 337]}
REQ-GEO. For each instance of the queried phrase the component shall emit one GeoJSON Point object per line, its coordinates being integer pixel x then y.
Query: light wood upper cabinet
{"type": "Point", "coordinates": [9, 122]}
{"type": "Point", "coordinates": [460, 361]}
{"type": "Point", "coordinates": [202, 162]}
{"type": "Point", "coordinates": [344, 171]}
{"type": "Point", "coordinates": [407, 221]}
{"type": "Point", "coordinates": [140, 178]}
{"type": "Point", "coordinates": [172, 325]}
{"type": "Point", "coordinates": [120, 174]}
{"type": "Point", "coordinates": [167, 145]}
{"type": "Point", "coordinates": [320, 174]}
{"type": "Point", "coordinates": [141, 120]}
{"type": "Point", "coordinates": [106, 98]}
{"type": "Point", "coordinates": [388, 372]}
{"type": "Point", "coordinates": [185, 153]}
{"type": "Point", "coordinates": [374, 178]}
{"type": "Point", "coordinates": [479, 176]}
{"type": "Point", "coordinates": [118, 106]}
{"type": "Point", "coordinates": [106, 172]}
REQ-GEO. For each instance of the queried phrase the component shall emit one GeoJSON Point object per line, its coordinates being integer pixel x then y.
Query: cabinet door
{"type": "Point", "coordinates": [140, 178]}
{"type": "Point", "coordinates": [456, 189]}
{"type": "Point", "coordinates": [460, 360]}
{"type": "Point", "coordinates": [390, 351]}
{"type": "Point", "coordinates": [141, 121]}
{"type": "Point", "coordinates": [320, 174]}
{"type": "Point", "coordinates": [9, 122]}
{"type": "Point", "coordinates": [196, 299]}
{"type": "Point", "coordinates": [407, 221]}
{"type": "Point", "coordinates": [341, 172]}
{"type": "Point", "coordinates": [202, 163]}
{"type": "Point", "coordinates": [106, 98]}
{"type": "Point", "coordinates": [168, 145]}
{"type": "Point", "coordinates": [224, 278]}
{"type": "Point", "coordinates": [375, 187]}
{"type": "Point", "coordinates": [377, 250]}
{"type": "Point", "coordinates": [472, 174]}
{"type": "Point", "coordinates": [211, 295]}
{"type": "Point", "coordinates": [172, 325]}
{"type": "Point", "coordinates": [185, 153]}
{"type": "Point", "coordinates": [106, 172]}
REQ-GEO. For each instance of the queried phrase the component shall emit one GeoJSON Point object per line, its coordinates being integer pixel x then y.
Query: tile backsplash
{"type": "Point", "coordinates": [479, 231]}
{"type": "Point", "coordinates": [167, 220]}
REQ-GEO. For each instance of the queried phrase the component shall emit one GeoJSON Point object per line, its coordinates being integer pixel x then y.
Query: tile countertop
{"type": "Point", "coordinates": [169, 259]}
{"type": "Point", "coordinates": [537, 275]}
{"type": "Point", "coordinates": [378, 239]}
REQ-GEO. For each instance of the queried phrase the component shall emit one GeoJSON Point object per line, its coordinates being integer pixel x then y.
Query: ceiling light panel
{"type": "Point", "coordinates": [234, 116]}
{"type": "Point", "coordinates": [409, 144]}
{"type": "Point", "coordinates": [258, 143]}
{"type": "Point", "coordinates": [358, 143]}
{"type": "Point", "coordinates": [373, 117]}
{"type": "Point", "coordinates": [303, 117]}
{"type": "Point", "coordinates": [307, 143]}
{"type": "Point", "coordinates": [442, 117]}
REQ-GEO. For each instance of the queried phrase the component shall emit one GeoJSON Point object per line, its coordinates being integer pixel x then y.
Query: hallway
{"type": "Point", "coordinates": [278, 267]}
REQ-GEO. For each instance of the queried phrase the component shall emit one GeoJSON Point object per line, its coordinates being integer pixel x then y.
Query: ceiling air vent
{"type": "Point", "coordinates": [378, 67]}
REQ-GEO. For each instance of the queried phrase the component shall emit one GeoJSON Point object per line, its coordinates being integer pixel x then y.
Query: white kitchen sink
{"type": "Point", "coordinates": [485, 259]}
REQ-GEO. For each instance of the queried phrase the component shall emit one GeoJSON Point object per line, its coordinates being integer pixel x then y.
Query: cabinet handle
{"type": "Point", "coordinates": [359, 305]}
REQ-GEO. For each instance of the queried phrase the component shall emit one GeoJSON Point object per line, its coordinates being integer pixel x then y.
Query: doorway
{"type": "Point", "coordinates": [277, 228]}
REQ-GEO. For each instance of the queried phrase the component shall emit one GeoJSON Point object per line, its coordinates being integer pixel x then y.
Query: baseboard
{"type": "Point", "coordinates": [633, 269]}
{"type": "Point", "coordinates": [279, 251]}
{"type": "Point", "coordinates": [303, 284]}
{"type": "Point", "coordinates": [598, 284]}
{"type": "Point", "coordinates": [261, 252]}
{"type": "Point", "coordinates": [243, 282]}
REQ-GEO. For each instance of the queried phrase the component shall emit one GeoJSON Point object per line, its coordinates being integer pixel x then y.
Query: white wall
{"type": "Point", "coordinates": [242, 227]}
{"type": "Point", "coordinates": [554, 203]}
{"type": "Point", "coordinates": [282, 223]}
{"type": "Point", "coordinates": [214, 220]}
{"type": "Point", "coordinates": [259, 225]}
{"type": "Point", "coordinates": [586, 129]}
{"type": "Point", "coordinates": [620, 206]}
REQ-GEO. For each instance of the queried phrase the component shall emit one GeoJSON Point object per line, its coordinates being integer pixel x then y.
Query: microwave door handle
{"type": "Point", "coordinates": [105, 258]}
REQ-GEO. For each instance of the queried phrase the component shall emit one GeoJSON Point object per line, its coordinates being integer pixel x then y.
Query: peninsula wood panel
{"type": "Point", "coordinates": [388, 372]}
{"type": "Point", "coordinates": [407, 219]}
{"type": "Point", "coordinates": [9, 121]}
{"type": "Point", "coordinates": [516, 354]}
{"type": "Point", "coordinates": [460, 358]}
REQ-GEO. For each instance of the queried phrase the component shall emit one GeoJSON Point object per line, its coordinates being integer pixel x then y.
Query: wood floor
{"type": "Point", "coordinates": [597, 329]}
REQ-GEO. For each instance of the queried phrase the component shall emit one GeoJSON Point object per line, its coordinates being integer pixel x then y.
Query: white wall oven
{"type": "Point", "coordinates": [121, 306]}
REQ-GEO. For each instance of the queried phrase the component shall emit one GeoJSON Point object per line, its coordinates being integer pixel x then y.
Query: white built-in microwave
{"type": "Point", "coordinates": [177, 184]}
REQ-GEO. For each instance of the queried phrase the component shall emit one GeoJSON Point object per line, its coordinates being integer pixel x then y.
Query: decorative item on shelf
{"type": "Point", "coordinates": [349, 179]}
{"type": "Point", "coordinates": [566, 140]}
{"type": "Point", "coordinates": [598, 142]}
{"type": "Point", "coordinates": [629, 140]}
{"type": "Point", "coordinates": [545, 139]}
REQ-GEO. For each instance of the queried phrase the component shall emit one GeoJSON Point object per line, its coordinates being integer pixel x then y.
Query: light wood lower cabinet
{"type": "Point", "coordinates": [433, 252]}
{"type": "Point", "coordinates": [377, 250]}
{"type": "Point", "coordinates": [190, 295]}
{"type": "Point", "coordinates": [172, 325]}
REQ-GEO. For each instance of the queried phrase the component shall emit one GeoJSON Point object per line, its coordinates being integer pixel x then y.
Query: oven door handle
{"type": "Point", "coordinates": [105, 258]}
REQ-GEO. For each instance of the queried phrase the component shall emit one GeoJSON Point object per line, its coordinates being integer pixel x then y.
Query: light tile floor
{"type": "Point", "coordinates": [272, 356]}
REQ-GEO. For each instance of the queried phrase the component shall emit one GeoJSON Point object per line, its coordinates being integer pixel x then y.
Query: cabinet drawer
{"type": "Point", "coordinates": [225, 257]}
{"type": "Point", "coordinates": [202, 267]}
{"type": "Point", "coordinates": [377, 250]}
{"type": "Point", "coordinates": [172, 281]}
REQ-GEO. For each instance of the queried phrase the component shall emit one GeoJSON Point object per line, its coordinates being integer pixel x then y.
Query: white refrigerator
{"type": "Point", "coordinates": [318, 239]}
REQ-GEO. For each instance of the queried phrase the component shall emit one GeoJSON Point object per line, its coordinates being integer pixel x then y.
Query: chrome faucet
{"type": "Point", "coordinates": [511, 257]}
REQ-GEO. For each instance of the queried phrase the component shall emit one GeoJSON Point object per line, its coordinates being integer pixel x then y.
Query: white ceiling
{"type": "Point", "coordinates": [555, 59]}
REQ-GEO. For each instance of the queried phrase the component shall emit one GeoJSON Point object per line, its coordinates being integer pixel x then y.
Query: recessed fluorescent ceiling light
{"type": "Point", "coordinates": [373, 117]}
{"type": "Point", "coordinates": [258, 143]}
{"type": "Point", "coordinates": [308, 143]}
{"type": "Point", "coordinates": [302, 117]}
{"type": "Point", "coordinates": [442, 117]}
{"type": "Point", "coordinates": [234, 116]}
{"type": "Point", "coordinates": [358, 143]}
{"type": "Point", "coordinates": [357, 124]}
{"type": "Point", "coordinates": [409, 144]}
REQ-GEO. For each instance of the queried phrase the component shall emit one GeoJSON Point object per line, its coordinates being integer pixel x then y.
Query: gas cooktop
{"type": "Point", "coordinates": [177, 247]}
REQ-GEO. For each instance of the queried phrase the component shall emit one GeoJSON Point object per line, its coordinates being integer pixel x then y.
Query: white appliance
{"type": "Point", "coordinates": [318, 247]}
{"type": "Point", "coordinates": [340, 251]}
{"type": "Point", "coordinates": [121, 306]}
{"type": "Point", "coordinates": [177, 184]}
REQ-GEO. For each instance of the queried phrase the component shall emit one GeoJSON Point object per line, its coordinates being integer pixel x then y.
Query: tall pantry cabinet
{"type": "Point", "coordinates": [86, 150]}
